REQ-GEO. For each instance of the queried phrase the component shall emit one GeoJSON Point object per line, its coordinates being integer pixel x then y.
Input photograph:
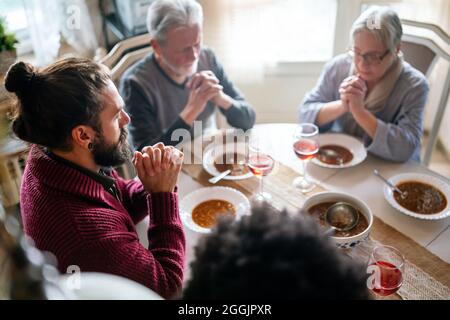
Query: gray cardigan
{"type": "Point", "coordinates": [154, 101]}
{"type": "Point", "coordinates": [400, 123]}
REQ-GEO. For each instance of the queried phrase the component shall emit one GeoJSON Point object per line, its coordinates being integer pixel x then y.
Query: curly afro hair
{"type": "Point", "coordinates": [273, 255]}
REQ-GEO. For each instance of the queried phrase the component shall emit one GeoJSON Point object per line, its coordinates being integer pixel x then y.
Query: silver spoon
{"type": "Point", "coordinates": [394, 188]}
{"type": "Point", "coordinates": [341, 217]}
{"type": "Point", "coordinates": [216, 179]}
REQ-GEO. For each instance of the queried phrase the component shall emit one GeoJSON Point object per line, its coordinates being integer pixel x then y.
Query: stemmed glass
{"type": "Point", "coordinates": [260, 164]}
{"type": "Point", "coordinates": [386, 265]}
{"type": "Point", "coordinates": [306, 146]}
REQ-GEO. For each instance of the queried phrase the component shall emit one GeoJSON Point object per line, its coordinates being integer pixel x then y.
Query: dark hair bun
{"type": "Point", "coordinates": [18, 77]}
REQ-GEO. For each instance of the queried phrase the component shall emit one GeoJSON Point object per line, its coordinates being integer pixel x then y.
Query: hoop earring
{"type": "Point", "coordinates": [90, 146]}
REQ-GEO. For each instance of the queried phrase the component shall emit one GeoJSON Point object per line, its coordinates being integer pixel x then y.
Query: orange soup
{"type": "Point", "coordinates": [206, 213]}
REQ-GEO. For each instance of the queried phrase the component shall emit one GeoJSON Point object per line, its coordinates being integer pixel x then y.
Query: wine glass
{"type": "Point", "coordinates": [386, 265]}
{"type": "Point", "coordinates": [260, 164]}
{"type": "Point", "coordinates": [306, 146]}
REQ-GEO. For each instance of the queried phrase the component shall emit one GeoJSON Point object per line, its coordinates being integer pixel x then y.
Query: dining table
{"type": "Point", "coordinates": [425, 244]}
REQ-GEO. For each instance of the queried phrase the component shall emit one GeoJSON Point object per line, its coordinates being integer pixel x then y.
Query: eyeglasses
{"type": "Point", "coordinates": [371, 58]}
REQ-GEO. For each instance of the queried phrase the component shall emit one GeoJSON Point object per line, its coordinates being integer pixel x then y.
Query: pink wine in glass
{"type": "Point", "coordinates": [306, 149]}
{"type": "Point", "coordinates": [260, 164]}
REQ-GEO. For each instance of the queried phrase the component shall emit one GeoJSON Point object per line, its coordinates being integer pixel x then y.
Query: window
{"type": "Point", "coordinates": [251, 34]}
{"type": "Point", "coordinates": [16, 22]}
{"type": "Point", "coordinates": [285, 30]}
{"type": "Point", "coordinates": [432, 11]}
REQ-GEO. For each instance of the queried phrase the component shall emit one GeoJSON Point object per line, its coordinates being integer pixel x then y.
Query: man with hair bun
{"type": "Point", "coordinates": [73, 204]}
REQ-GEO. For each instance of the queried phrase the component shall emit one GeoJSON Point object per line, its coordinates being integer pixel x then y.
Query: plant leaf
{"type": "Point", "coordinates": [7, 40]}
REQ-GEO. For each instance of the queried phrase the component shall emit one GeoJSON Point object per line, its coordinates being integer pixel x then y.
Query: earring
{"type": "Point", "coordinates": [90, 146]}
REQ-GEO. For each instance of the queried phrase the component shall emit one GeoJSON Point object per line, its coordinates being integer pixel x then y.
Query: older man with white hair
{"type": "Point", "coordinates": [181, 81]}
{"type": "Point", "coordinates": [371, 92]}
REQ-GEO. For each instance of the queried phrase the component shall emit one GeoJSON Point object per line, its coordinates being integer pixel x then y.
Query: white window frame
{"type": "Point", "coordinates": [23, 36]}
{"type": "Point", "coordinates": [347, 12]}
{"type": "Point", "coordinates": [24, 46]}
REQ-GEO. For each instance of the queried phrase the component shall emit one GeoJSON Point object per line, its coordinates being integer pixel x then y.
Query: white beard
{"type": "Point", "coordinates": [181, 71]}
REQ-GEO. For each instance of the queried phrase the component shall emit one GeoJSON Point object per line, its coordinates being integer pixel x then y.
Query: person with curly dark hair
{"type": "Point", "coordinates": [273, 255]}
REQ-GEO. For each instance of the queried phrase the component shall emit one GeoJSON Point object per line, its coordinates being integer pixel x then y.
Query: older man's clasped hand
{"type": "Point", "coordinates": [204, 86]}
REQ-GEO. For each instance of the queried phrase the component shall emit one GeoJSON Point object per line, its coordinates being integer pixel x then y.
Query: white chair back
{"type": "Point", "coordinates": [125, 46]}
{"type": "Point", "coordinates": [125, 54]}
{"type": "Point", "coordinates": [426, 46]}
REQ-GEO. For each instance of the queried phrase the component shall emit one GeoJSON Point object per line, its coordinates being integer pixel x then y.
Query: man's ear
{"type": "Point", "coordinates": [156, 47]}
{"type": "Point", "coordinates": [82, 136]}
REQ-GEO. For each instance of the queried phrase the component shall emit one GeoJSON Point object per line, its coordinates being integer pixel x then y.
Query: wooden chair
{"type": "Point", "coordinates": [125, 54]}
{"type": "Point", "coordinates": [13, 155]}
{"type": "Point", "coordinates": [425, 46]}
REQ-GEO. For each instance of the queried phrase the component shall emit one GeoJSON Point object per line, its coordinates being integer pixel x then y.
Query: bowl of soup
{"type": "Point", "coordinates": [338, 151]}
{"type": "Point", "coordinates": [234, 162]}
{"type": "Point", "coordinates": [201, 209]}
{"type": "Point", "coordinates": [317, 205]}
{"type": "Point", "coordinates": [218, 158]}
{"type": "Point", "coordinates": [207, 213]}
{"type": "Point", "coordinates": [425, 197]}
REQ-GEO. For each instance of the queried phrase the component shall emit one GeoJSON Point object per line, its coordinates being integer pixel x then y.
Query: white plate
{"type": "Point", "coordinates": [428, 179]}
{"type": "Point", "coordinates": [99, 286]}
{"type": "Point", "coordinates": [351, 143]}
{"type": "Point", "coordinates": [213, 151]}
{"type": "Point", "coordinates": [189, 202]}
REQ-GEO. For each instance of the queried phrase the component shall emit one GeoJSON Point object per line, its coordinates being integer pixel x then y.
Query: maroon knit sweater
{"type": "Point", "coordinates": [71, 215]}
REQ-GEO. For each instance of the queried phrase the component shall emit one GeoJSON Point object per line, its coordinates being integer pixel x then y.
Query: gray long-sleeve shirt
{"type": "Point", "coordinates": [154, 101]}
{"type": "Point", "coordinates": [400, 122]}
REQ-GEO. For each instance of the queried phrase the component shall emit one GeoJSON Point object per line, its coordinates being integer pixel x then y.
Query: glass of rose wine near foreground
{"type": "Point", "coordinates": [306, 146]}
{"type": "Point", "coordinates": [260, 164]}
{"type": "Point", "coordinates": [386, 266]}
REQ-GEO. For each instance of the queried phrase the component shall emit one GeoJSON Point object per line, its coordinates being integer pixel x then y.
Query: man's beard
{"type": "Point", "coordinates": [110, 155]}
{"type": "Point", "coordinates": [181, 71]}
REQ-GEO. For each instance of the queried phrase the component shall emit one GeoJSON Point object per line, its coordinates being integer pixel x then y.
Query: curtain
{"type": "Point", "coordinates": [43, 24]}
{"type": "Point", "coordinates": [77, 27]}
{"type": "Point", "coordinates": [50, 21]}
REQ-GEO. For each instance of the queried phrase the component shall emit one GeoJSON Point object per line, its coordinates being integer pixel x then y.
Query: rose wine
{"type": "Point", "coordinates": [391, 278]}
{"type": "Point", "coordinates": [306, 149]}
{"type": "Point", "coordinates": [260, 164]}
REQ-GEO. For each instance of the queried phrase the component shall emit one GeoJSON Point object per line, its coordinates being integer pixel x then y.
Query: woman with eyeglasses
{"type": "Point", "coordinates": [371, 92]}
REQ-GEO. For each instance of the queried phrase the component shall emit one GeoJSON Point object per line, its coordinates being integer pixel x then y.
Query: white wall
{"type": "Point", "coordinates": [278, 94]}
